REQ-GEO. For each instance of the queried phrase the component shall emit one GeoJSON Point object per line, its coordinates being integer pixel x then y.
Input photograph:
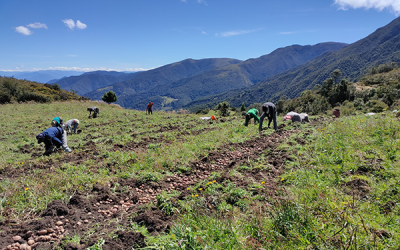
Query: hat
{"type": "Point", "coordinates": [40, 137]}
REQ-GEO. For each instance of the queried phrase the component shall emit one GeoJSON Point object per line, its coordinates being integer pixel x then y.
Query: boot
{"type": "Point", "coordinates": [67, 149]}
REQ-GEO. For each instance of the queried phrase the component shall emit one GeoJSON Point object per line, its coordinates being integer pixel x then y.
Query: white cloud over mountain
{"type": "Point", "coordinates": [393, 5]}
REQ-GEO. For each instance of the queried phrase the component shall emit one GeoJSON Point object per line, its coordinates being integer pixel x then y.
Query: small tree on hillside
{"type": "Point", "coordinates": [243, 108]}
{"type": "Point", "coordinates": [223, 108]}
{"type": "Point", "coordinates": [109, 97]}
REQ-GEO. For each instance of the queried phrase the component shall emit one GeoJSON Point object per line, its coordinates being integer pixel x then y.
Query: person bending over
{"type": "Point", "coordinates": [269, 110]}
{"type": "Point", "coordinates": [252, 113]}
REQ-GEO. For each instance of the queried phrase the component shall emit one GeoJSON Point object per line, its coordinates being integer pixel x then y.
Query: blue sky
{"type": "Point", "coordinates": [129, 35]}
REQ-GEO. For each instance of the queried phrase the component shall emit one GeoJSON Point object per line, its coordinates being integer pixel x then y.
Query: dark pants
{"type": "Point", "coordinates": [150, 111]}
{"type": "Point", "coordinates": [48, 144]}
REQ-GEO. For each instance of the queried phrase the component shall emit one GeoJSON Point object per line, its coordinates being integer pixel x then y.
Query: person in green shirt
{"type": "Point", "coordinates": [252, 113]}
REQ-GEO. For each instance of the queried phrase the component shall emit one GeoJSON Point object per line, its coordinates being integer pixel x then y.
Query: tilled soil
{"type": "Point", "coordinates": [102, 214]}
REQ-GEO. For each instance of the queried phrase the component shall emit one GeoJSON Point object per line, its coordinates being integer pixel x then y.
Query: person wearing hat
{"type": "Point", "coordinates": [95, 111]}
{"type": "Point", "coordinates": [52, 138]}
{"type": "Point", "coordinates": [57, 122]}
{"type": "Point", "coordinates": [71, 124]}
{"type": "Point", "coordinates": [252, 113]}
{"type": "Point", "coordinates": [304, 117]}
{"type": "Point", "coordinates": [269, 110]}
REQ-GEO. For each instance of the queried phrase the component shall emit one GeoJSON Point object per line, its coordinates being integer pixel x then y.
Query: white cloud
{"type": "Point", "coordinates": [69, 23]}
{"type": "Point", "coordinates": [393, 5]}
{"type": "Point", "coordinates": [295, 32]}
{"type": "Point", "coordinates": [80, 25]}
{"type": "Point", "coordinates": [198, 1]}
{"type": "Point", "coordinates": [76, 69]}
{"type": "Point", "coordinates": [37, 25]}
{"type": "Point", "coordinates": [204, 33]}
{"type": "Point", "coordinates": [235, 32]}
{"type": "Point", "coordinates": [287, 32]}
{"type": "Point", "coordinates": [23, 30]}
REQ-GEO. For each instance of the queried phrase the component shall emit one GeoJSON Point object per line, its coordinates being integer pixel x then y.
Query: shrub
{"type": "Point", "coordinates": [376, 106]}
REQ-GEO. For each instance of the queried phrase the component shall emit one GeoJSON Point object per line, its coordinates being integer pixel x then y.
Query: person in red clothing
{"type": "Point", "coordinates": [149, 109]}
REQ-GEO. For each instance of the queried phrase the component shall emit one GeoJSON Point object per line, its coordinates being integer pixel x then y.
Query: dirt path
{"type": "Point", "coordinates": [105, 213]}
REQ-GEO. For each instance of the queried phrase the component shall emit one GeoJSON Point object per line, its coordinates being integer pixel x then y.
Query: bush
{"type": "Point", "coordinates": [5, 98]}
{"type": "Point", "coordinates": [376, 106]}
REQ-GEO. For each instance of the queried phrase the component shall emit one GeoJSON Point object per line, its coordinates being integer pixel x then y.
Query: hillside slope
{"type": "Point", "coordinates": [92, 80]}
{"type": "Point", "coordinates": [174, 181]}
{"type": "Point", "coordinates": [229, 77]}
{"type": "Point", "coordinates": [15, 90]}
{"type": "Point", "coordinates": [353, 61]}
{"type": "Point", "coordinates": [143, 81]}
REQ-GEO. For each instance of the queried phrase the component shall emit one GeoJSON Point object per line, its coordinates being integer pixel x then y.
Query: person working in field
{"type": "Point", "coordinates": [71, 125]}
{"type": "Point", "coordinates": [95, 111]}
{"type": "Point", "coordinates": [149, 109]}
{"type": "Point", "coordinates": [269, 110]}
{"type": "Point", "coordinates": [58, 123]}
{"type": "Point", "coordinates": [293, 116]}
{"type": "Point", "coordinates": [52, 138]}
{"type": "Point", "coordinates": [252, 113]}
{"type": "Point", "coordinates": [304, 117]}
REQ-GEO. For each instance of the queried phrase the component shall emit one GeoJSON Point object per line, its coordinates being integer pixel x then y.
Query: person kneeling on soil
{"type": "Point", "coordinates": [52, 138]}
{"type": "Point", "coordinates": [269, 110]}
{"type": "Point", "coordinates": [304, 117]}
{"type": "Point", "coordinates": [252, 113]}
{"type": "Point", "coordinates": [293, 116]}
{"type": "Point", "coordinates": [57, 122]}
{"type": "Point", "coordinates": [72, 124]}
{"type": "Point", "coordinates": [95, 111]}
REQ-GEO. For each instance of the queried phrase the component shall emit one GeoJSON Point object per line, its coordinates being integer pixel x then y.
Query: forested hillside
{"type": "Point", "coordinates": [90, 81]}
{"type": "Point", "coordinates": [354, 61]}
{"type": "Point", "coordinates": [145, 80]}
{"type": "Point", "coordinates": [14, 90]}
{"type": "Point", "coordinates": [212, 81]}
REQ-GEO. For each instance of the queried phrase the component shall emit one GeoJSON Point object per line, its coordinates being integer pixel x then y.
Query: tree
{"type": "Point", "coordinates": [243, 108]}
{"type": "Point", "coordinates": [335, 75]}
{"type": "Point", "coordinates": [57, 87]}
{"type": "Point", "coordinates": [109, 97]}
{"type": "Point", "coordinates": [223, 108]}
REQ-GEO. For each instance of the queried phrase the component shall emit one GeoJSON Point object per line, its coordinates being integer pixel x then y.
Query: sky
{"type": "Point", "coordinates": [133, 35]}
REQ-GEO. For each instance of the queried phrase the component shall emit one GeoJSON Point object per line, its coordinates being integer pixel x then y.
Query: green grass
{"type": "Point", "coordinates": [314, 206]}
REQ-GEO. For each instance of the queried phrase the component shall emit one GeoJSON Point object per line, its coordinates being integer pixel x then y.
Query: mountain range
{"type": "Point", "coordinates": [177, 84]}
{"type": "Point", "coordinates": [40, 76]}
{"type": "Point", "coordinates": [354, 61]}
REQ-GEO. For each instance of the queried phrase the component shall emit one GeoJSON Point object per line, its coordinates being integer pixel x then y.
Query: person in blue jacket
{"type": "Point", "coordinates": [52, 138]}
{"type": "Point", "coordinates": [269, 110]}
